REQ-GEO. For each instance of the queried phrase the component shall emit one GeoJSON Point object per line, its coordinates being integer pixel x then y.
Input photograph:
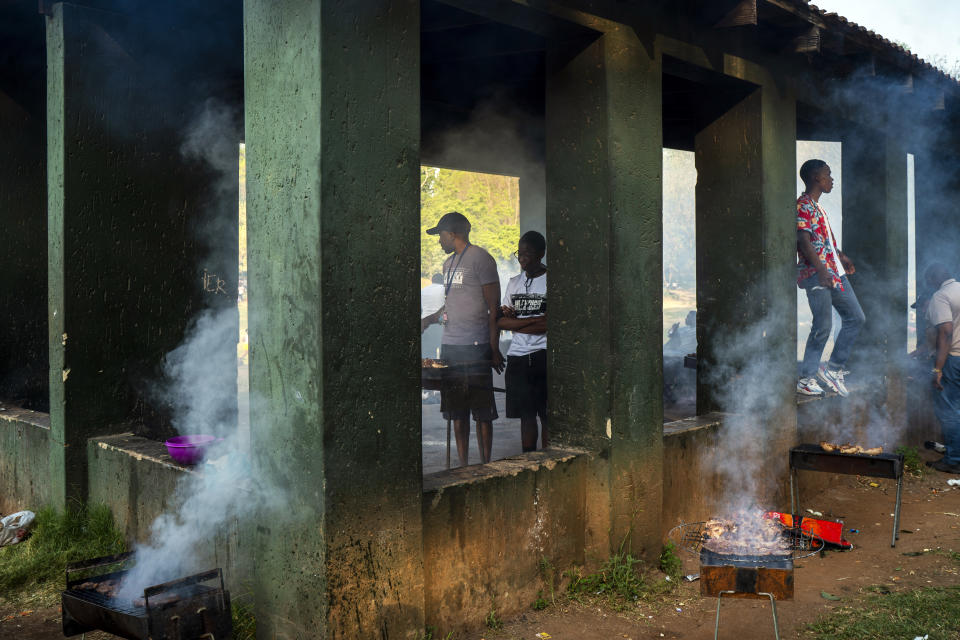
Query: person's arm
{"type": "Point", "coordinates": [491, 295]}
{"type": "Point", "coordinates": [944, 339]}
{"type": "Point", "coordinates": [807, 251]}
{"type": "Point", "coordinates": [846, 262]}
{"type": "Point", "coordinates": [512, 323]}
{"type": "Point", "coordinates": [433, 318]}
{"type": "Point", "coordinates": [536, 326]}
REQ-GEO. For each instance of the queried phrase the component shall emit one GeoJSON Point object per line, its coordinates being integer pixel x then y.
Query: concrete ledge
{"type": "Point", "coordinates": [531, 461]}
{"type": "Point", "coordinates": [24, 458]}
{"type": "Point", "coordinates": [693, 423]}
{"type": "Point", "coordinates": [25, 416]}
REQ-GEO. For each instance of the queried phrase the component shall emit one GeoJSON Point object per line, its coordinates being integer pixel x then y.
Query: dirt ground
{"type": "Point", "coordinates": [930, 520]}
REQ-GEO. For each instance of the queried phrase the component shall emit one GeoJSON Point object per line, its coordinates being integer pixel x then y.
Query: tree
{"type": "Point", "coordinates": [491, 203]}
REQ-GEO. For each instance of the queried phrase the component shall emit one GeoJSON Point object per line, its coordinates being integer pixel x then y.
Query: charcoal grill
{"type": "Point", "coordinates": [191, 608]}
{"type": "Point", "coordinates": [812, 457]}
{"type": "Point", "coordinates": [759, 576]}
{"type": "Point", "coordinates": [448, 376]}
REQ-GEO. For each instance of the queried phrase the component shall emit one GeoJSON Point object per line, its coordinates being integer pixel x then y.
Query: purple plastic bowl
{"type": "Point", "coordinates": [189, 449]}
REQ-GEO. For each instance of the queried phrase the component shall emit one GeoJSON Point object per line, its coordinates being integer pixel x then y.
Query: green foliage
{"type": "Point", "coordinates": [38, 563]}
{"type": "Point", "coordinates": [428, 634]}
{"type": "Point", "coordinates": [618, 579]}
{"type": "Point", "coordinates": [242, 614]}
{"type": "Point", "coordinates": [670, 562]}
{"type": "Point", "coordinates": [933, 610]}
{"type": "Point", "coordinates": [244, 622]}
{"type": "Point", "coordinates": [493, 620]}
{"type": "Point", "coordinates": [912, 462]}
{"type": "Point", "coordinates": [549, 576]}
{"type": "Point", "coordinates": [540, 603]}
{"type": "Point", "coordinates": [490, 202]}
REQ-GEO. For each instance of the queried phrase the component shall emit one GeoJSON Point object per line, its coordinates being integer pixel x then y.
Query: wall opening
{"type": "Point", "coordinates": [832, 204]}
{"type": "Point", "coordinates": [679, 285]}
{"type": "Point", "coordinates": [491, 202]}
{"type": "Point", "coordinates": [243, 339]}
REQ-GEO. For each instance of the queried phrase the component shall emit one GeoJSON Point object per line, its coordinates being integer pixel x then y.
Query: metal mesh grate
{"type": "Point", "coordinates": [691, 536]}
{"type": "Point", "coordinates": [108, 602]}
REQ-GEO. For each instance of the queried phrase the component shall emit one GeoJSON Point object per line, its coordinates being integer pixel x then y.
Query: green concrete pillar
{"type": "Point", "coordinates": [875, 238]}
{"type": "Point", "coordinates": [604, 157]}
{"type": "Point", "coordinates": [332, 148]}
{"type": "Point", "coordinates": [125, 268]}
{"type": "Point", "coordinates": [746, 252]}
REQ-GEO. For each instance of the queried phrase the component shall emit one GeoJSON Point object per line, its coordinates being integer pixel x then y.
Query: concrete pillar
{"type": "Point", "coordinates": [125, 263]}
{"type": "Point", "coordinates": [746, 252]}
{"type": "Point", "coordinates": [604, 155]}
{"type": "Point", "coordinates": [875, 238]}
{"type": "Point", "coordinates": [332, 148]}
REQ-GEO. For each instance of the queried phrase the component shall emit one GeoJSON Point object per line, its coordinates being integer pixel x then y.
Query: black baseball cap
{"type": "Point", "coordinates": [454, 222]}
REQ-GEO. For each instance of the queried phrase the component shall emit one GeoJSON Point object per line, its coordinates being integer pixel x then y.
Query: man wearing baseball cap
{"type": "Point", "coordinates": [471, 339]}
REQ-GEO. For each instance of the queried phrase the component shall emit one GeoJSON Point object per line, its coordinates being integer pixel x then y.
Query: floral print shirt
{"type": "Point", "coordinates": [812, 218]}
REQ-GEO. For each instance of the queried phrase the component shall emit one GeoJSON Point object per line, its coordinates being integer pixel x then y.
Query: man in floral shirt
{"type": "Point", "coordinates": [822, 274]}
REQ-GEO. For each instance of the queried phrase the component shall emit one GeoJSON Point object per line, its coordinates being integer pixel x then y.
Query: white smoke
{"type": "Point", "coordinates": [199, 387]}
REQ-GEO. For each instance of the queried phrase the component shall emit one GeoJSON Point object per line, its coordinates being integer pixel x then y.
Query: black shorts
{"type": "Point", "coordinates": [468, 386]}
{"type": "Point", "coordinates": [526, 380]}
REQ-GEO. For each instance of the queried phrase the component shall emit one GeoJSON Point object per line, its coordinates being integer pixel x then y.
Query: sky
{"type": "Point", "coordinates": [929, 28]}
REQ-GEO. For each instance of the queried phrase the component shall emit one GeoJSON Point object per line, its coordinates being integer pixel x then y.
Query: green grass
{"type": "Point", "coordinates": [912, 462]}
{"type": "Point", "coordinates": [493, 620]}
{"type": "Point", "coordinates": [934, 611]}
{"type": "Point", "coordinates": [619, 580]}
{"type": "Point", "coordinates": [670, 562]}
{"type": "Point", "coordinates": [244, 623]}
{"type": "Point", "coordinates": [33, 570]}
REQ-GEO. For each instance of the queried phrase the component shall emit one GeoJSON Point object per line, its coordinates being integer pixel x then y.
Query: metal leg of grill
{"type": "Point", "coordinates": [448, 444]}
{"type": "Point", "coordinates": [773, 609]}
{"type": "Point", "coordinates": [794, 499]}
{"type": "Point", "coordinates": [896, 513]}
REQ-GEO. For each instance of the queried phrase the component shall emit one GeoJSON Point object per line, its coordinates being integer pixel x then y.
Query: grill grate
{"type": "Point", "coordinates": [690, 538]}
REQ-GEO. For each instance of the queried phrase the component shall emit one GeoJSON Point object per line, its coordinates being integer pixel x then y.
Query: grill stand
{"type": "Point", "coordinates": [810, 457]}
{"type": "Point", "coordinates": [773, 608]}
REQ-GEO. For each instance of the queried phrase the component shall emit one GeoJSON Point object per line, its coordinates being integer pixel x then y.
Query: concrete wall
{"type": "Point", "coordinates": [24, 459]}
{"type": "Point", "coordinates": [487, 530]}
{"type": "Point", "coordinates": [138, 480]}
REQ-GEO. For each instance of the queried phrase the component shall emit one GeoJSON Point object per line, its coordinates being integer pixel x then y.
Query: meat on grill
{"type": "Point", "coordinates": [829, 447]}
{"type": "Point", "coordinates": [105, 587]}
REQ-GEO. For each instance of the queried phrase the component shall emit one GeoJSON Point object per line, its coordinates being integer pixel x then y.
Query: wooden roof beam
{"type": "Point", "coordinates": [742, 14]}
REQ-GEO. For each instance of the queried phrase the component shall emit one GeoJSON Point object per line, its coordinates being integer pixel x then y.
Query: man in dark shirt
{"type": "Point", "coordinates": [471, 339]}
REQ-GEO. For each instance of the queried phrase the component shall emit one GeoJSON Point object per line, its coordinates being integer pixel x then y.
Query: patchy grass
{"type": "Point", "coordinates": [33, 570]}
{"type": "Point", "coordinates": [244, 621]}
{"type": "Point", "coordinates": [934, 611]}
{"type": "Point", "coordinates": [493, 620]}
{"type": "Point", "coordinates": [670, 562]}
{"type": "Point", "coordinates": [912, 462]}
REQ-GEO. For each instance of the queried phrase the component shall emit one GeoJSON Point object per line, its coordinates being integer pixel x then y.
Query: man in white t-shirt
{"type": "Point", "coordinates": [943, 314]}
{"type": "Point", "coordinates": [525, 314]}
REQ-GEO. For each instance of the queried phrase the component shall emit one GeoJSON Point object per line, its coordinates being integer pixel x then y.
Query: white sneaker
{"type": "Point", "coordinates": [809, 387]}
{"type": "Point", "coordinates": [833, 379]}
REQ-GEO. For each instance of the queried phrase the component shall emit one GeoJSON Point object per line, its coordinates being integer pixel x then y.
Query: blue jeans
{"type": "Point", "coordinates": [851, 317]}
{"type": "Point", "coordinates": [946, 404]}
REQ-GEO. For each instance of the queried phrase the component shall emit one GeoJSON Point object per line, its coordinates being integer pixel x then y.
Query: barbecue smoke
{"type": "Point", "coordinates": [198, 386]}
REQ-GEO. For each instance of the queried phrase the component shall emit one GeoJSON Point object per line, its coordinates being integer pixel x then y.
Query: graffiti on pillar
{"type": "Point", "coordinates": [212, 283]}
